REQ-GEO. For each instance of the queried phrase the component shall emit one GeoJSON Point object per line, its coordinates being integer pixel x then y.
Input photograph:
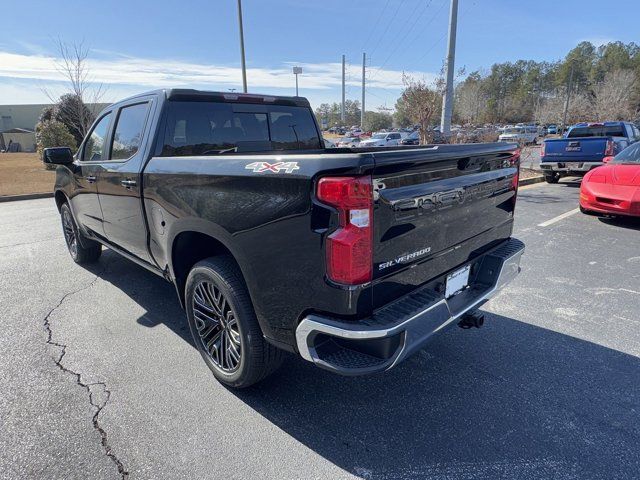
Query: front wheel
{"type": "Point", "coordinates": [224, 326]}
{"type": "Point", "coordinates": [81, 249]}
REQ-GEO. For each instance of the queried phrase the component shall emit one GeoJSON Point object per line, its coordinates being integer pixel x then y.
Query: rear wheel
{"type": "Point", "coordinates": [81, 249]}
{"type": "Point", "coordinates": [224, 325]}
{"type": "Point", "coordinates": [552, 177]}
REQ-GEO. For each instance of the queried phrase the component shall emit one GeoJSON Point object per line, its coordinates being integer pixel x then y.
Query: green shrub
{"type": "Point", "coordinates": [52, 133]}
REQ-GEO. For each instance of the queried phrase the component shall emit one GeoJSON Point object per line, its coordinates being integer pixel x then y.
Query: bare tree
{"type": "Point", "coordinates": [612, 98]}
{"type": "Point", "coordinates": [76, 109]}
{"type": "Point", "coordinates": [470, 101]}
{"type": "Point", "coordinates": [551, 108]}
{"type": "Point", "coordinates": [422, 102]}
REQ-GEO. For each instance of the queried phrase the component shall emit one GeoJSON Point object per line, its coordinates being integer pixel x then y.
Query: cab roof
{"type": "Point", "coordinates": [192, 95]}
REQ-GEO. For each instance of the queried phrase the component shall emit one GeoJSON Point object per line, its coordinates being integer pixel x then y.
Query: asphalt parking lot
{"type": "Point", "coordinates": [99, 379]}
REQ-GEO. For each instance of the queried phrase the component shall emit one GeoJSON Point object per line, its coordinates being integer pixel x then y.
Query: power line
{"type": "Point", "coordinates": [375, 25]}
{"type": "Point", "coordinates": [437, 42]}
{"type": "Point", "coordinates": [395, 14]}
{"type": "Point", "coordinates": [406, 34]}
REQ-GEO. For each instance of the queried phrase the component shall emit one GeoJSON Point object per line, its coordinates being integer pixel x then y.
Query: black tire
{"type": "Point", "coordinates": [210, 284]}
{"type": "Point", "coordinates": [81, 249]}
{"type": "Point", "coordinates": [552, 178]}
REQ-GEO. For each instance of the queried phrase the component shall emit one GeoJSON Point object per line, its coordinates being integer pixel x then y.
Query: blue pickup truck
{"type": "Point", "coordinates": [584, 147]}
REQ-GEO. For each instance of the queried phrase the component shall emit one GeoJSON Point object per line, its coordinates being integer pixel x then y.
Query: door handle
{"type": "Point", "coordinates": [128, 183]}
{"type": "Point", "coordinates": [90, 178]}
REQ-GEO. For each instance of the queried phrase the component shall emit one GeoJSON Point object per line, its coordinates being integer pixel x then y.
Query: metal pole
{"type": "Point", "coordinates": [244, 66]}
{"type": "Point", "coordinates": [447, 101]}
{"type": "Point", "coordinates": [297, 85]}
{"type": "Point", "coordinates": [364, 62]}
{"type": "Point", "coordinates": [566, 102]}
{"type": "Point", "coordinates": [343, 91]}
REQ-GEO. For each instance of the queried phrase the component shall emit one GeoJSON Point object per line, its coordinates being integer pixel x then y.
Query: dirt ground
{"type": "Point", "coordinates": [22, 173]}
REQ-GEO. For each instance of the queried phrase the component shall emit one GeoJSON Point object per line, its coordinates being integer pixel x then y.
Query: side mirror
{"type": "Point", "coordinates": [57, 156]}
{"type": "Point", "coordinates": [607, 159]}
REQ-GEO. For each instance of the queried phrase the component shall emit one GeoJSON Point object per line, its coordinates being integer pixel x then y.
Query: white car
{"type": "Point", "coordinates": [389, 139]}
{"type": "Point", "coordinates": [328, 143]}
{"type": "Point", "coordinates": [525, 134]}
{"type": "Point", "coordinates": [350, 142]}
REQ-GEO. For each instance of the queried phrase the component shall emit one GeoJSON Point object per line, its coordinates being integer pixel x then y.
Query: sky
{"type": "Point", "coordinates": [140, 45]}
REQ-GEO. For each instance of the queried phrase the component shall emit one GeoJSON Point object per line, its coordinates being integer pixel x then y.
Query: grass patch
{"type": "Point", "coordinates": [22, 173]}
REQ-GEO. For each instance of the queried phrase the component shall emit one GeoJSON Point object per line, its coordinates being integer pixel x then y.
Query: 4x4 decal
{"type": "Point", "coordinates": [262, 167]}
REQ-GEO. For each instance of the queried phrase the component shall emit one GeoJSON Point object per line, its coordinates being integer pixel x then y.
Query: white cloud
{"type": "Point", "coordinates": [119, 70]}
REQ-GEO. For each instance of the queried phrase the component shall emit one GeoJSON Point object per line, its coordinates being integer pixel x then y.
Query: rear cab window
{"type": "Point", "coordinates": [196, 128]}
{"type": "Point", "coordinates": [597, 131]}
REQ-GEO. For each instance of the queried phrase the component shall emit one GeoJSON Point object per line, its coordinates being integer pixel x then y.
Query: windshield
{"type": "Point", "coordinates": [349, 139]}
{"type": "Point", "coordinates": [513, 131]}
{"type": "Point", "coordinates": [597, 131]}
{"type": "Point", "coordinates": [628, 155]}
{"type": "Point", "coordinates": [379, 135]}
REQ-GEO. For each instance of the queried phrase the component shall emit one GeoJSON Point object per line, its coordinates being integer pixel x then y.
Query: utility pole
{"type": "Point", "coordinates": [343, 91]}
{"type": "Point", "coordinates": [244, 66]}
{"type": "Point", "coordinates": [364, 62]}
{"type": "Point", "coordinates": [566, 102]}
{"type": "Point", "coordinates": [447, 101]}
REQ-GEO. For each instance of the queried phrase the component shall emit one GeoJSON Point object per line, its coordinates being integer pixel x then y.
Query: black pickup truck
{"type": "Point", "coordinates": [351, 258]}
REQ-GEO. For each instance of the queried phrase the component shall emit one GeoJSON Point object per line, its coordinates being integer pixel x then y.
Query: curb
{"type": "Point", "coordinates": [531, 181]}
{"type": "Point", "coordinates": [28, 196]}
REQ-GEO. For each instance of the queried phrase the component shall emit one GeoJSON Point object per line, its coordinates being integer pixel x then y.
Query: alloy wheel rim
{"type": "Point", "coordinates": [70, 233]}
{"type": "Point", "coordinates": [217, 327]}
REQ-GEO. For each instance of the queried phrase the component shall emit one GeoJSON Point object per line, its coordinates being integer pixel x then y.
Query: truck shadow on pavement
{"type": "Point", "coordinates": [509, 400]}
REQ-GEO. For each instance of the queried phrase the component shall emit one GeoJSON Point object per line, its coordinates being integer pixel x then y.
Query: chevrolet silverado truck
{"type": "Point", "coordinates": [351, 259]}
{"type": "Point", "coordinates": [584, 147]}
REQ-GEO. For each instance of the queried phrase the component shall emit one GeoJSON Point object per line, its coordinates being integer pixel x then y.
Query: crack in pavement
{"type": "Point", "coordinates": [99, 406]}
{"type": "Point", "coordinates": [25, 243]}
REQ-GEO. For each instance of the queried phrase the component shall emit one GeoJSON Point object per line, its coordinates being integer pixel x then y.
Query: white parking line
{"type": "Point", "coordinates": [559, 217]}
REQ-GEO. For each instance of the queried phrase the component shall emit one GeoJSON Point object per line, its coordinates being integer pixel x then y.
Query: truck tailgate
{"type": "Point", "coordinates": [437, 208]}
{"type": "Point", "coordinates": [587, 149]}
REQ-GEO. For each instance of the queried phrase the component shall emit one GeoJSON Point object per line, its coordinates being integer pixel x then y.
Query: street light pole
{"type": "Point", "coordinates": [343, 91]}
{"type": "Point", "coordinates": [364, 63]}
{"type": "Point", "coordinates": [297, 71]}
{"type": "Point", "coordinates": [447, 104]}
{"type": "Point", "coordinates": [244, 66]}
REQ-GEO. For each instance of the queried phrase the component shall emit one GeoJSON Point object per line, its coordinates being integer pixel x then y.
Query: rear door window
{"type": "Point", "coordinates": [629, 131]}
{"type": "Point", "coordinates": [128, 132]}
{"type": "Point", "coordinates": [210, 128]}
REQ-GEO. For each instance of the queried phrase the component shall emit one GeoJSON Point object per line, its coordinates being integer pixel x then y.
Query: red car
{"type": "Point", "coordinates": [614, 188]}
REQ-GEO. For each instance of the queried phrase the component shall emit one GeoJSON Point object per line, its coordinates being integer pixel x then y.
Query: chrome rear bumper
{"type": "Point", "coordinates": [399, 329]}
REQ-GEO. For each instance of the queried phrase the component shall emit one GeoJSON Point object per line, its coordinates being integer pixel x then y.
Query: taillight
{"type": "Point", "coordinates": [515, 162]}
{"type": "Point", "coordinates": [609, 151]}
{"type": "Point", "coordinates": [543, 149]}
{"type": "Point", "coordinates": [349, 250]}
